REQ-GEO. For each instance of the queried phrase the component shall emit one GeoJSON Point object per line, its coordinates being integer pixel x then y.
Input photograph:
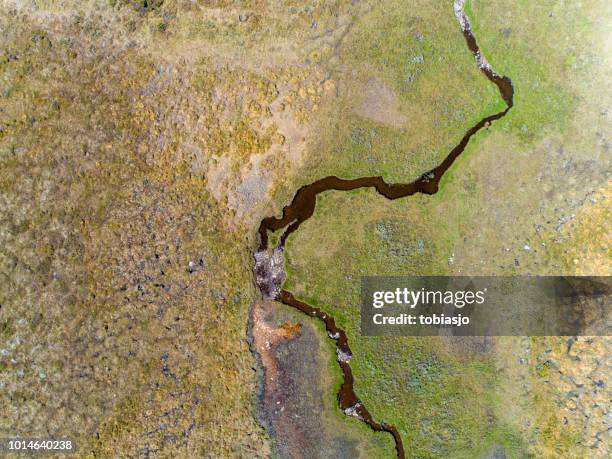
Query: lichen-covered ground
{"type": "Point", "coordinates": [138, 143]}
{"type": "Point", "coordinates": [141, 142]}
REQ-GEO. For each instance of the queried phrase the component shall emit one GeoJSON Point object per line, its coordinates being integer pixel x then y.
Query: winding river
{"type": "Point", "coordinates": [269, 261]}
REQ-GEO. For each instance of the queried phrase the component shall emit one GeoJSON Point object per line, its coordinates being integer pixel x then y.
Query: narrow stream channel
{"type": "Point", "coordinates": [268, 267]}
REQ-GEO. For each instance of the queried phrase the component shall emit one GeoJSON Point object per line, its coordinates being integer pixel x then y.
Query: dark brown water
{"type": "Point", "coordinates": [302, 207]}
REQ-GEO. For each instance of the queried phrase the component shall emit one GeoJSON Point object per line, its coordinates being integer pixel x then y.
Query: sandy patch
{"type": "Point", "coordinates": [380, 104]}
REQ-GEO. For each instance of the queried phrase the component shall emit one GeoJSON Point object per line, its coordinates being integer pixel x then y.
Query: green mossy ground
{"type": "Point", "coordinates": [418, 54]}
{"type": "Point", "coordinates": [506, 207]}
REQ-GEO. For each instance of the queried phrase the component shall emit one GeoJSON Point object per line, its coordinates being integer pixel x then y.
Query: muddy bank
{"type": "Point", "coordinates": [266, 339]}
{"type": "Point", "coordinates": [300, 416]}
{"type": "Point", "coordinates": [349, 402]}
